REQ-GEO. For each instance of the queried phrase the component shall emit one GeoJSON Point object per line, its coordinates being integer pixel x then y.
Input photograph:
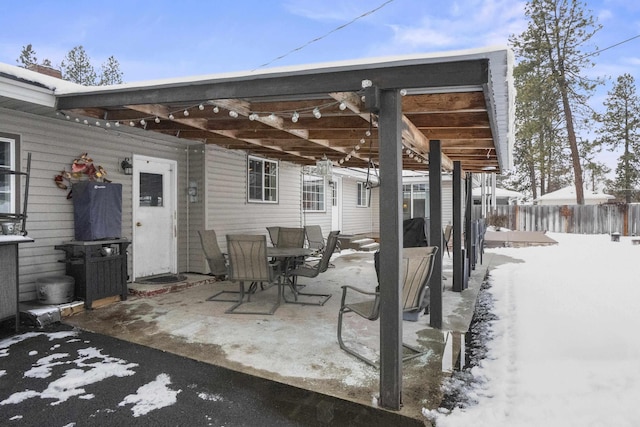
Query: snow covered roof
{"type": "Point", "coordinates": [569, 193]}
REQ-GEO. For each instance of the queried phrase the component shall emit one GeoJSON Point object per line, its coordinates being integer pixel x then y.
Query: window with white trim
{"type": "Point", "coordinates": [363, 195]}
{"type": "Point", "coordinates": [262, 180]}
{"type": "Point", "coordinates": [8, 192]}
{"type": "Point", "coordinates": [313, 193]}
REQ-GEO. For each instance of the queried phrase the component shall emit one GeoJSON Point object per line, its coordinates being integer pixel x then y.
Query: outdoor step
{"type": "Point", "coordinates": [370, 247]}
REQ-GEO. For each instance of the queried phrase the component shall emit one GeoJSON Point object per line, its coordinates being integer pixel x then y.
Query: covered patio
{"type": "Point", "coordinates": [297, 345]}
{"type": "Point", "coordinates": [449, 113]}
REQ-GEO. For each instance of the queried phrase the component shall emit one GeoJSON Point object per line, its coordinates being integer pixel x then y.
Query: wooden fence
{"type": "Point", "coordinates": [586, 219]}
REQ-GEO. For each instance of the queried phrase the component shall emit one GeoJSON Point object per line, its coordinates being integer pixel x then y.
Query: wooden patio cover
{"type": "Point", "coordinates": [304, 114]}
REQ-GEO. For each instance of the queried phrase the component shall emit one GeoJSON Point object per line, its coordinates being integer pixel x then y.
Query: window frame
{"type": "Point", "coordinates": [13, 164]}
{"type": "Point", "coordinates": [362, 195]}
{"type": "Point", "coordinates": [321, 200]}
{"type": "Point", "coordinates": [264, 178]}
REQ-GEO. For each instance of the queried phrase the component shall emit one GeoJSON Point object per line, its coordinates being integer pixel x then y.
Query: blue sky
{"type": "Point", "coordinates": [161, 39]}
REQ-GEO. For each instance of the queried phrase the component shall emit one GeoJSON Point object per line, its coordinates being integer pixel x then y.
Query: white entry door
{"type": "Point", "coordinates": [336, 204]}
{"type": "Point", "coordinates": [154, 216]}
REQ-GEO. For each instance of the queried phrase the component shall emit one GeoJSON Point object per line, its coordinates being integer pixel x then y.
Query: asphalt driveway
{"type": "Point", "coordinates": [61, 376]}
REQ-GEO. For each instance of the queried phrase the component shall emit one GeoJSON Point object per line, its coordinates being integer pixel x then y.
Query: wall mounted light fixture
{"type": "Point", "coordinates": [127, 167]}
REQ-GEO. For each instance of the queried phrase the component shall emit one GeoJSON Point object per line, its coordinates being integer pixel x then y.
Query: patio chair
{"type": "Point", "coordinates": [273, 235]}
{"type": "Point", "coordinates": [417, 265]}
{"type": "Point", "coordinates": [446, 237]}
{"type": "Point", "coordinates": [290, 237]}
{"type": "Point", "coordinates": [248, 262]}
{"type": "Point", "coordinates": [306, 271]}
{"type": "Point", "coordinates": [315, 238]}
{"type": "Point", "coordinates": [215, 258]}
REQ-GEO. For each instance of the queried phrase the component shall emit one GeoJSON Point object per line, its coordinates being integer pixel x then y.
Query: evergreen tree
{"type": "Point", "coordinates": [541, 156]}
{"type": "Point", "coordinates": [552, 42]}
{"type": "Point", "coordinates": [111, 73]}
{"type": "Point", "coordinates": [77, 68]}
{"type": "Point", "coordinates": [27, 56]}
{"type": "Point", "coordinates": [621, 130]}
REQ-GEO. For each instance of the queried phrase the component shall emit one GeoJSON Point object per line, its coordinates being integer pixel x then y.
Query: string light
{"type": "Point", "coordinates": [200, 107]}
{"type": "Point", "coordinates": [216, 109]}
{"type": "Point", "coordinates": [157, 120]}
{"type": "Point", "coordinates": [186, 113]}
{"type": "Point", "coordinates": [316, 113]}
{"type": "Point", "coordinates": [233, 114]}
{"type": "Point", "coordinates": [295, 117]}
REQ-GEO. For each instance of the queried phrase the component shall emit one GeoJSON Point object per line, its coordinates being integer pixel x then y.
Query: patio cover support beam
{"type": "Point", "coordinates": [435, 232]}
{"type": "Point", "coordinates": [390, 128]}
{"type": "Point", "coordinates": [467, 229]}
{"type": "Point", "coordinates": [458, 256]}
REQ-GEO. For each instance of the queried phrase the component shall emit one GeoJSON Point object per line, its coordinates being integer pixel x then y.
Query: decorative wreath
{"type": "Point", "coordinates": [82, 168]}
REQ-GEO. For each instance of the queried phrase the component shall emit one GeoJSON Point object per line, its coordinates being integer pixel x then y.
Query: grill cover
{"type": "Point", "coordinates": [97, 210]}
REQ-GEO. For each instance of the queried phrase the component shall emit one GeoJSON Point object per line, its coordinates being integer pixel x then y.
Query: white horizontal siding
{"type": "Point", "coordinates": [53, 144]}
{"type": "Point", "coordinates": [228, 210]}
{"type": "Point", "coordinates": [357, 219]}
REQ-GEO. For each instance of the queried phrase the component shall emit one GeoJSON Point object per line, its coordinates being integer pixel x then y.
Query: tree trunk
{"type": "Point", "coordinates": [573, 145]}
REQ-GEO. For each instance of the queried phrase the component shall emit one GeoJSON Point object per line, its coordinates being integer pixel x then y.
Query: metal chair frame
{"type": "Point", "coordinates": [417, 266]}
{"type": "Point", "coordinates": [248, 262]}
{"type": "Point", "coordinates": [305, 271]}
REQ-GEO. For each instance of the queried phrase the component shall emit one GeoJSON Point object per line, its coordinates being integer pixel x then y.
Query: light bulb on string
{"type": "Point", "coordinates": [77, 120]}
{"type": "Point", "coordinates": [67, 117]}
{"type": "Point", "coordinates": [253, 116]}
{"type": "Point", "coordinates": [131, 123]}
{"type": "Point", "coordinates": [108, 124]}
{"type": "Point", "coordinates": [157, 120]}
{"type": "Point", "coordinates": [186, 113]}
{"type": "Point", "coordinates": [171, 117]}
{"type": "Point", "coordinates": [403, 92]}
{"type": "Point", "coordinates": [316, 113]}
{"type": "Point", "coordinates": [200, 107]}
{"type": "Point", "coordinates": [363, 141]}
{"type": "Point", "coordinates": [97, 123]}
{"type": "Point", "coordinates": [216, 109]}
{"type": "Point", "coordinates": [143, 122]}
{"type": "Point", "coordinates": [233, 114]}
{"type": "Point", "coordinates": [342, 106]}
{"type": "Point", "coordinates": [295, 117]}
{"type": "Point", "coordinates": [357, 147]}
{"type": "Point", "coordinates": [368, 133]}
{"type": "Point", "coordinates": [117, 124]}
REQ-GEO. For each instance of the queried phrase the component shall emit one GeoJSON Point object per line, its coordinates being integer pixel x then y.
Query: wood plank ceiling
{"type": "Point", "coordinates": [307, 115]}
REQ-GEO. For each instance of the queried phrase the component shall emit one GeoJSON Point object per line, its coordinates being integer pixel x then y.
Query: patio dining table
{"type": "Point", "coordinates": [288, 257]}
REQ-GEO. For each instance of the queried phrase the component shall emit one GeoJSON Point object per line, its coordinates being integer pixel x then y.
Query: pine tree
{"type": "Point", "coordinates": [621, 130]}
{"type": "Point", "coordinates": [77, 68]}
{"type": "Point", "coordinates": [555, 34]}
{"type": "Point", "coordinates": [111, 73]}
{"type": "Point", "coordinates": [27, 56]}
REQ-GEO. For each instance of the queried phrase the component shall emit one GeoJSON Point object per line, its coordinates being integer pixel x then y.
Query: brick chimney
{"type": "Point", "coordinates": [43, 69]}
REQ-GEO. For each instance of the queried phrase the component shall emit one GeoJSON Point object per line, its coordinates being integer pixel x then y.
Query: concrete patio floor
{"type": "Point", "coordinates": [297, 345]}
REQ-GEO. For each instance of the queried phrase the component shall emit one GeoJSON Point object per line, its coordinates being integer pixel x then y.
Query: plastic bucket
{"type": "Point", "coordinates": [55, 289]}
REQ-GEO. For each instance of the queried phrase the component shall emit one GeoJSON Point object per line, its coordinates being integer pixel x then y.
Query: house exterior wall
{"type": "Point", "coordinates": [228, 210]}
{"type": "Point", "coordinates": [53, 144]}
{"type": "Point", "coordinates": [357, 219]}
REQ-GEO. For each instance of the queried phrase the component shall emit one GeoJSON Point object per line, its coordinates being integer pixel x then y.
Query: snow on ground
{"type": "Point", "coordinates": [88, 366]}
{"type": "Point", "coordinates": [565, 349]}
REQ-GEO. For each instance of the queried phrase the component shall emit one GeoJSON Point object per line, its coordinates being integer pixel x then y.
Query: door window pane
{"type": "Point", "coordinates": [151, 189]}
